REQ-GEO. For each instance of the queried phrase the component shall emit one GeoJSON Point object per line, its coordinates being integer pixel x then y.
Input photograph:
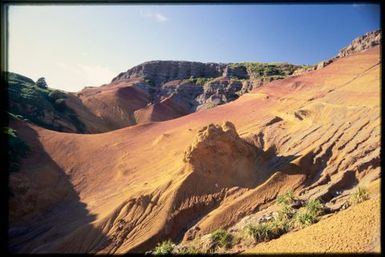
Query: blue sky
{"type": "Point", "coordinates": [84, 45]}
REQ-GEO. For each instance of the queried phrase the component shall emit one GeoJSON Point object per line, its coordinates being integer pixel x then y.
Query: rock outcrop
{"type": "Point", "coordinates": [127, 190]}
{"type": "Point", "coordinates": [159, 72]}
{"type": "Point", "coordinates": [219, 151]}
{"type": "Point", "coordinates": [154, 91]}
{"type": "Point", "coordinates": [359, 44]}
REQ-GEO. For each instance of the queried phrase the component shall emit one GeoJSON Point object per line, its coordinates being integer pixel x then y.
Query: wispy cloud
{"type": "Point", "coordinates": [358, 5]}
{"type": "Point", "coordinates": [96, 75]}
{"type": "Point", "coordinates": [156, 16]}
{"type": "Point", "coordinates": [78, 76]}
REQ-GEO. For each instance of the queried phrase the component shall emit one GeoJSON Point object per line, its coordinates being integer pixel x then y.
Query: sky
{"type": "Point", "coordinates": [74, 46]}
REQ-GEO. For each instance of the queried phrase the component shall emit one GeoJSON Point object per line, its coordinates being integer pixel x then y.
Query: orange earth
{"type": "Point", "coordinates": [130, 188]}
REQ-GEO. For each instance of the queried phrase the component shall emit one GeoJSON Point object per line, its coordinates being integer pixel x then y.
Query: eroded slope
{"type": "Point", "coordinates": [315, 133]}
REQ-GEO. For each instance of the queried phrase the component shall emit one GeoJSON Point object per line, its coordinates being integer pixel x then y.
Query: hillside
{"type": "Point", "coordinates": [152, 91]}
{"type": "Point", "coordinates": [126, 190]}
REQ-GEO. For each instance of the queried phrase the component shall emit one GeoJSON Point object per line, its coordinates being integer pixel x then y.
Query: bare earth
{"type": "Point", "coordinates": [128, 189]}
{"type": "Point", "coordinates": [355, 230]}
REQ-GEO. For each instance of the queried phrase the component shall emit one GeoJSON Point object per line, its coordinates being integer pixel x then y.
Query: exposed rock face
{"type": "Point", "coordinates": [162, 71]}
{"type": "Point", "coordinates": [202, 85]}
{"type": "Point", "coordinates": [323, 64]}
{"type": "Point", "coordinates": [154, 91]}
{"type": "Point", "coordinates": [238, 72]}
{"type": "Point", "coordinates": [220, 141]}
{"type": "Point", "coordinates": [110, 197]}
{"type": "Point", "coordinates": [218, 92]}
{"type": "Point", "coordinates": [359, 44]}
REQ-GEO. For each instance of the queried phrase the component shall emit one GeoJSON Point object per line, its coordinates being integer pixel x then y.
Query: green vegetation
{"type": "Point", "coordinates": [274, 228]}
{"type": "Point", "coordinates": [34, 102]}
{"type": "Point", "coordinates": [359, 195]}
{"type": "Point", "coordinates": [314, 207]}
{"type": "Point", "coordinates": [236, 80]}
{"type": "Point", "coordinates": [164, 248]}
{"type": "Point", "coordinates": [286, 212]}
{"type": "Point", "coordinates": [286, 219]}
{"type": "Point", "coordinates": [56, 94]}
{"type": "Point", "coordinates": [309, 213]}
{"type": "Point", "coordinates": [221, 238]}
{"type": "Point", "coordinates": [260, 232]}
{"type": "Point", "coordinates": [149, 82]}
{"type": "Point", "coordinates": [41, 83]}
{"type": "Point", "coordinates": [281, 226]}
{"type": "Point", "coordinates": [167, 247]}
{"type": "Point", "coordinates": [199, 80]}
{"type": "Point", "coordinates": [17, 149]}
{"type": "Point", "coordinates": [271, 70]}
{"type": "Point", "coordinates": [305, 218]}
{"type": "Point", "coordinates": [286, 199]}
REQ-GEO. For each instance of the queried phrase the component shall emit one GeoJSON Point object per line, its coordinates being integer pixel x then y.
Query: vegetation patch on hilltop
{"type": "Point", "coordinates": [40, 104]}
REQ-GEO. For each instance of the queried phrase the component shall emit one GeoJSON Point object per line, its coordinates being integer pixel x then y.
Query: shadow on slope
{"type": "Point", "coordinates": [44, 208]}
{"type": "Point", "coordinates": [219, 168]}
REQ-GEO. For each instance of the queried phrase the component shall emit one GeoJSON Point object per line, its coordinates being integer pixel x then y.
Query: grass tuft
{"type": "Point", "coordinates": [314, 207]}
{"type": "Point", "coordinates": [359, 195]}
{"type": "Point", "coordinates": [221, 238]}
{"type": "Point", "coordinates": [286, 199]}
{"type": "Point", "coordinates": [164, 248]}
{"type": "Point", "coordinates": [304, 218]}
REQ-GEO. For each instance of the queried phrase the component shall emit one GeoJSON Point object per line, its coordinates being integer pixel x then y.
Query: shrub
{"type": "Point", "coordinates": [199, 80]}
{"type": "Point", "coordinates": [280, 227]}
{"type": "Point", "coordinates": [359, 195]}
{"type": "Point", "coordinates": [9, 131]}
{"type": "Point", "coordinates": [221, 238]}
{"type": "Point", "coordinates": [286, 199]}
{"type": "Point", "coordinates": [56, 94]}
{"type": "Point", "coordinates": [17, 149]}
{"type": "Point", "coordinates": [286, 212]}
{"type": "Point", "coordinates": [272, 70]}
{"type": "Point", "coordinates": [41, 83]}
{"type": "Point", "coordinates": [305, 218]}
{"type": "Point", "coordinates": [260, 232]}
{"type": "Point", "coordinates": [314, 207]}
{"type": "Point", "coordinates": [164, 248]}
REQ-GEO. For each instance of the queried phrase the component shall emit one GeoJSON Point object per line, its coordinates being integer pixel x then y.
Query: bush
{"type": "Point", "coordinates": [286, 212]}
{"type": "Point", "coordinates": [221, 238]}
{"type": "Point", "coordinates": [314, 207]}
{"type": "Point", "coordinates": [200, 80]}
{"type": "Point", "coordinates": [305, 218]}
{"type": "Point", "coordinates": [164, 248]}
{"type": "Point", "coordinates": [17, 149]}
{"type": "Point", "coordinates": [260, 232]}
{"type": "Point", "coordinates": [56, 94]}
{"type": "Point", "coordinates": [280, 227]}
{"type": "Point", "coordinates": [286, 199]}
{"type": "Point", "coordinates": [33, 103]}
{"type": "Point", "coordinates": [41, 83]}
{"type": "Point", "coordinates": [361, 194]}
